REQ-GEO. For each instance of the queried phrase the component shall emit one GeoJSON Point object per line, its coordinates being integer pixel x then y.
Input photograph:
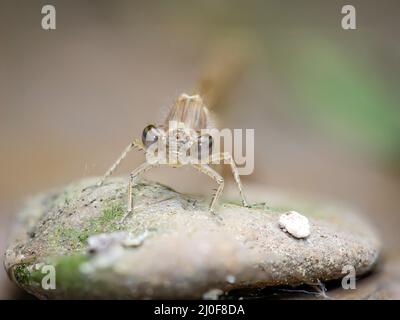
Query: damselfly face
{"type": "Point", "coordinates": [182, 134]}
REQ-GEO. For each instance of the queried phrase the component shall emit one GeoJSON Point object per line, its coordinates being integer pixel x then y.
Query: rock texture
{"type": "Point", "coordinates": [172, 247]}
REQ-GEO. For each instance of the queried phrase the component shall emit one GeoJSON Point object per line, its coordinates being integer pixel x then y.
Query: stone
{"type": "Point", "coordinates": [172, 247]}
{"type": "Point", "coordinates": [106, 241]}
{"type": "Point", "coordinates": [295, 224]}
{"type": "Point", "coordinates": [213, 294]}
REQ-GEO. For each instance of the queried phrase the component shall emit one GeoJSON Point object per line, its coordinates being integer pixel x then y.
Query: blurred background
{"type": "Point", "coordinates": [324, 102]}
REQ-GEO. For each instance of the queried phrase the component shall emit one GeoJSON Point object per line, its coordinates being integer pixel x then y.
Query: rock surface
{"type": "Point", "coordinates": [171, 247]}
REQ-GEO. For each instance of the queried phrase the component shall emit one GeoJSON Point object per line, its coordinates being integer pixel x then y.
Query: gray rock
{"type": "Point", "coordinates": [172, 247]}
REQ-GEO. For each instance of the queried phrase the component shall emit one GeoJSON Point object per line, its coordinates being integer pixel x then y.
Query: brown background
{"type": "Point", "coordinates": [71, 99]}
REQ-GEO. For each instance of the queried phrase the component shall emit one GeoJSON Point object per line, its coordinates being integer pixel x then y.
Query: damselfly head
{"type": "Point", "coordinates": [176, 134]}
{"type": "Point", "coordinates": [183, 129]}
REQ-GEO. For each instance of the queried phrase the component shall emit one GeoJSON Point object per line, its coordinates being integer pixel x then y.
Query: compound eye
{"type": "Point", "coordinates": [205, 145]}
{"type": "Point", "coordinates": [150, 135]}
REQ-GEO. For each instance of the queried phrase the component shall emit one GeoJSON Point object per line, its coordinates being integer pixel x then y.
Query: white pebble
{"type": "Point", "coordinates": [213, 294]}
{"type": "Point", "coordinates": [105, 241]}
{"type": "Point", "coordinates": [295, 223]}
{"type": "Point", "coordinates": [230, 279]}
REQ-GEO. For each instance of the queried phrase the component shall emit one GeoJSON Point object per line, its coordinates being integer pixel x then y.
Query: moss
{"type": "Point", "coordinates": [233, 203]}
{"type": "Point", "coordinates": [83, 237]}
{"type": "Point", "coordinates": [305, 209]}
{"type": "Point", "coordinates": [36, 277]}
{"type": "Point", "coordinates": [262, 206]}
{"type": "Point", "coordinates": [280, 208]}
{"type": "Point", "coordinates": [71, 238]}
{"type": "Point", "coordinates": [76, 238]}
{"type": "Point", "coordinates": [26, 274]}
{"type": "Point", "coordinates": [107, 222]}
{"type": "Point", "coordinates": [71, 281]}
{"type": "Point", "coordinates": [111, 215]}
{"type": "Point", "coordinates": [21, 274]}
{"type": "Point", "coordinates": [68, 274]}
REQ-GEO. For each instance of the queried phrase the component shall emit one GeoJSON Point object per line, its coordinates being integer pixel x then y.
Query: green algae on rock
{"type": "Point", "coordinates": [172, 247]}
